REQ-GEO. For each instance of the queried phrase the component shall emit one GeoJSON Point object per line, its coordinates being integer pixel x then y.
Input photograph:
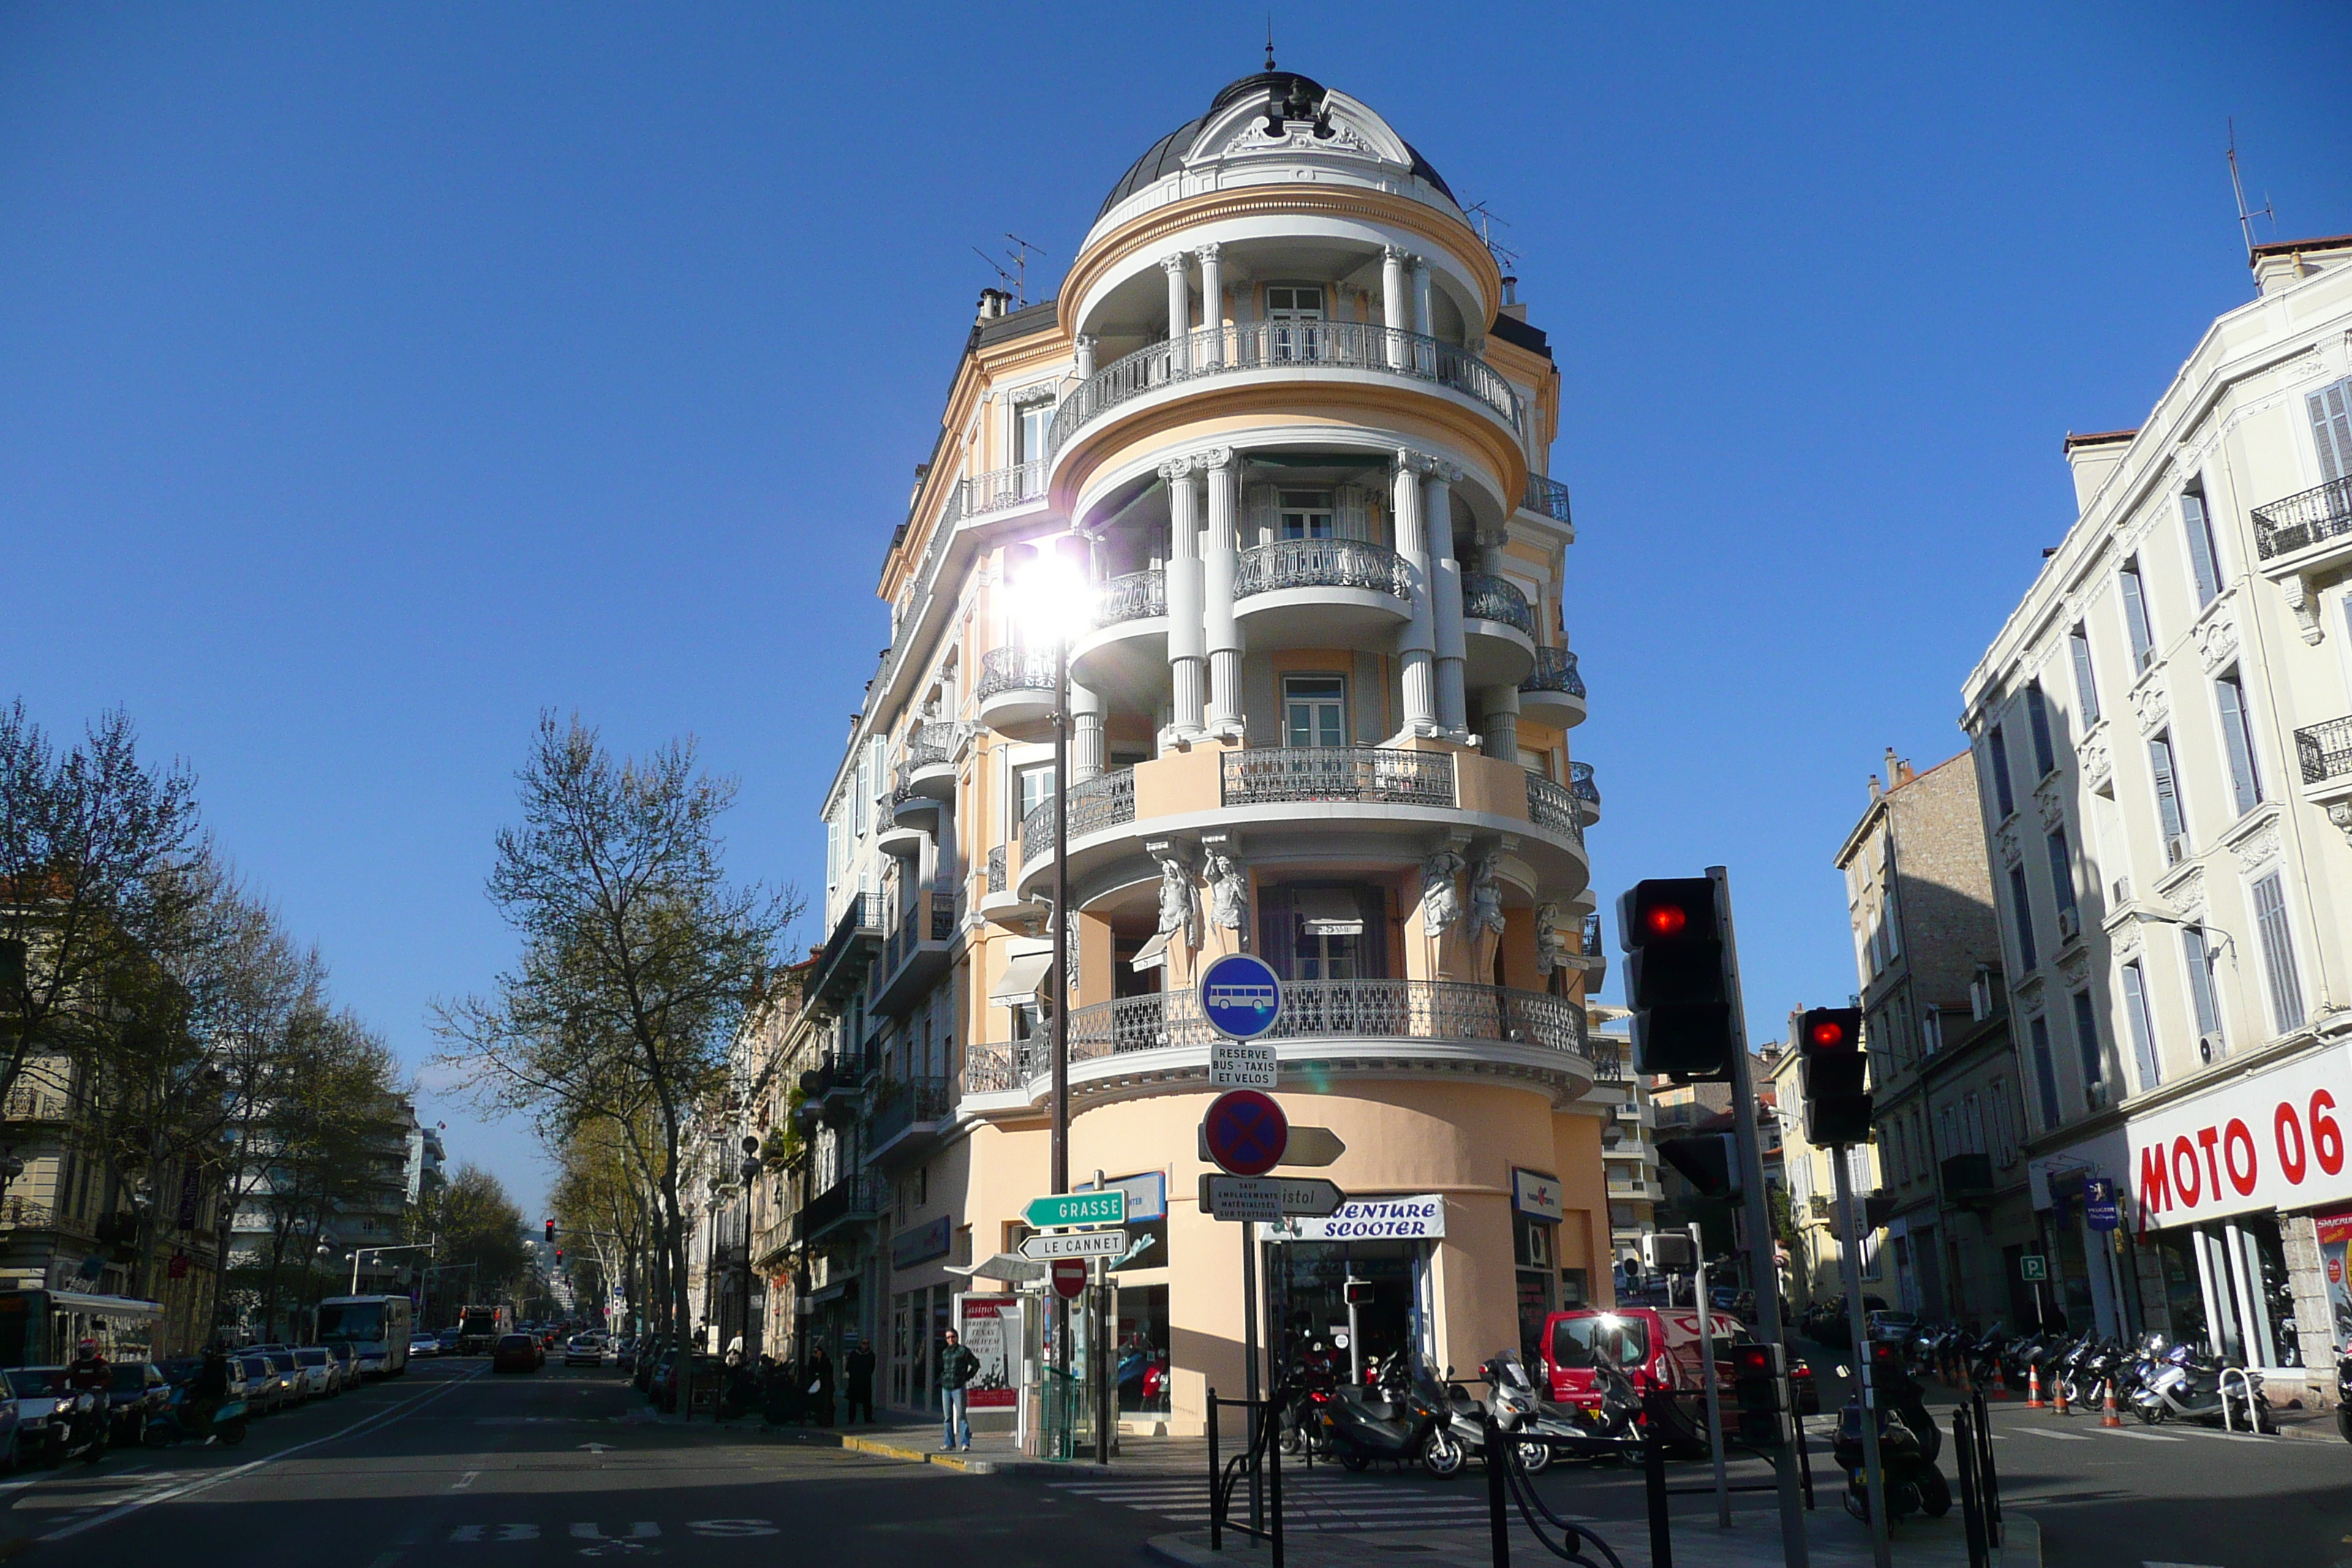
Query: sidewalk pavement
{"type": "Point", "coordinates": [991, 1453]}
{"type": "Point", "coordinates": [1833, 1540]}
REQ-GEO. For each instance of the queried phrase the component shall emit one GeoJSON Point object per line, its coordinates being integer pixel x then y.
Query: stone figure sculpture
{"type": "Point", "coordinates": [1441, 900]}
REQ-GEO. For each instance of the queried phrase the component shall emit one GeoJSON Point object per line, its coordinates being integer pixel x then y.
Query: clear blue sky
{"type": "Point", "coordinates": [372, 377]}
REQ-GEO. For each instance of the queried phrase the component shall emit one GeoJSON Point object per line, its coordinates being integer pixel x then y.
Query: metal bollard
{"type": "Point", "coordinates": [1653, 1476]}
{"type": "Point", "coordinates": [1498, 1520]}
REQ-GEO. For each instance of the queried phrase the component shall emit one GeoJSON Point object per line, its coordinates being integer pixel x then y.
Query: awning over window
{"type": "Point", "coordinates": [1022, 978]}
{"type": "Point", "coordinates": [1152, 954]}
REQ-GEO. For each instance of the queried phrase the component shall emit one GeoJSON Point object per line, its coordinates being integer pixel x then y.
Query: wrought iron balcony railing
{"type": "Point", "coordinates": [1014, 669]}
{"type": "Point", "coordinates": [857, 1197]}
{"type": "Point", "coordinates": [1432, 1010]}
{"type": "Point", "coordinates": [1553, 809]}
{"type": "Point", "coordinates": [989, 1068]}
{"type": "Point", "coordinates": [1137, 596]}
{"type": "Point", "coordinates": [860, 925]}
{"type": "Point", "coordinates": [2325, 751]}
{"type": "Point", "coordinates": [2302, 521]}
{"type": "Point", "coordinates": [1486, 598]}
{"type": "Point", "coordinates": [996, 869]}
{"type": "Point", "coordinates": [1582, 785]}
{"type": "Point", "coordinates": [1547, 497]}
{"type": "Point", "coordinates": [1000, 490]}
{"type": "Point", "coordinates": [901, 1102]}
{"type": "Point", "coordinates": [974, 497]}
{"type": "Point", "coordinates": [1592, 932]}
{"type": "Point", "coordinates": [1104, 801]}
{"type": "Point", "coordinates": [1275, 345]}
{"type": "Point", "coordinates": [1555, 672]}
{"type": "Point", "coordinates": [1322, 563]}
{"type": "Point", "coordinates": [1269, 775]}
{"type": "Point", "coordinates": [26, 1103]}
{"type": "Point", "coordinates": [16, 1211]}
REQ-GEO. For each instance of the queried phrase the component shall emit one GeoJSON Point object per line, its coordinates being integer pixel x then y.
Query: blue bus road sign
{"type": "Point", "coordinates": [1241, 996]}
{"type": "Point", "coordinates": [1061, 1209]}
{"type": "Point", "coordinates": [1245, 1131]}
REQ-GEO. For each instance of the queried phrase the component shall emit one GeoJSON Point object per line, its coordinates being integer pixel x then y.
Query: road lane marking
{"type": "Point", "coordinates": [2056, 1437]}
{"type": "Point", "coordinates": [462, 1482]}
{"type": "Point", "coordinates": [385, 1560]}
{"type": "Point", "coordinates": [383, 1417]}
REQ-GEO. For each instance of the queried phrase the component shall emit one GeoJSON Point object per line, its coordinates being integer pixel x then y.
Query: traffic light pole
{"type": "Point", "coordinates": [1850, 1267]}
{"type": "Point", "coordinates": [1763, 1266]}
{"type": "Point", "coordinates": [1707, 1377]}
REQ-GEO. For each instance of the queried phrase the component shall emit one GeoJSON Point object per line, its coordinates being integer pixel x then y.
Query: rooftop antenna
{"type": "Point", "coordinates": [1269, 40]}
{"type": "Point", "coordinates": [2245, 218]}
{"type": "Point", "coordinates": [1017, 277]}
{"type": "Point", "coordinates": [1488, 218]}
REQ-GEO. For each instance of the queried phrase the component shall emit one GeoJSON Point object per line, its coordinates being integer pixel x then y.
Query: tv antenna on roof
{"type": "Point", "coordinates": [1486, 219]}
{"type": "Point", "coordinates": [1016, 278]}
{"type": "Point", "coordinates": [2246, 218]}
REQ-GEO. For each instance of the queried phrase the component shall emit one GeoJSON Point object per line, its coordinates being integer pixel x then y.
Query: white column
{"type": "Point", "coordinates": [1423, 322]}
{"type": "Point", "coordinates": [1187, 641]}
{"type": "Point", "coordinates": [1445, 595]}
{"type": "Point", "coordinates": [1086, 347]}
{"type": "Point", "coordinates": [1501, 723]}
{"type": "Point", "coordinates": [1212, 305]}
{"type": "Point", "coordinates": [1219, 564]}
{"type": "Point", "coordinates": [1417, 643]}
{"type": "Point", "coordinates": [1180, 308]}
{"type": "Point", "coordinates": [1394, 310]}
{"type": "Point", "coordinates": [1086, 749]}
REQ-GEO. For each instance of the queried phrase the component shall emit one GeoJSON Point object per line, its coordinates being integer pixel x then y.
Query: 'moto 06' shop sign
{"type": "Point", "coordinates": [2274, 1141]}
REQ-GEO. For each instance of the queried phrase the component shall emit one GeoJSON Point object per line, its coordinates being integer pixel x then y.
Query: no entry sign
{"type": "Point", "coordinates": [1245, 1131]}
{"type": "Point", "coordinates": [1069, 1278]}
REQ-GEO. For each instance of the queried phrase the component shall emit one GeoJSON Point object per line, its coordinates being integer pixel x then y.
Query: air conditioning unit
{"type": "Point", "coordinates": [2176, 848]}
{"type": "Point", "coordinates": [2212, 1048]}
{"type": "Point", "coordinates": [2070, 924]}
{"type": "Point", "coordinates": [2119, 891]}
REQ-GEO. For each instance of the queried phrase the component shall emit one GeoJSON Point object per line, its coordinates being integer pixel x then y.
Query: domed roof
{"type": "Point", "coordinates": [1167, 155]}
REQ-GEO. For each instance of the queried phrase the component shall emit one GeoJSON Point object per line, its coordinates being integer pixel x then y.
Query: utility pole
{"type": "Point", "coordinates": [1850, 1267]}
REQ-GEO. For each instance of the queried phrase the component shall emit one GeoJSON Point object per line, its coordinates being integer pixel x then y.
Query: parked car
{"type": "Point", "coordinates": [137, 1396]}
{"type": "Point", "coordinates": [346, 1357]}
{"type": "Point", "coordinates": [584, 1350]}
{"type": "Point", "coordinates": [180, 1371]}
{"type": "Point", "coordinates": [11, 1456]}
{"type": "Point", "coordinates": [517, 1352]}
{"type": "Point", "coordinates": [447, 1338]}
{"type": "Point", "coordinates": [1890, 1328]}
{"type": "Point", "coordinates": [54, 1421]}
{"type": "Point", "coordinates": [322, 1374]}
{"type": "Point", "coordinates": [266, 1391]}
{"type": "Point", "coordinates": [423, 1345]}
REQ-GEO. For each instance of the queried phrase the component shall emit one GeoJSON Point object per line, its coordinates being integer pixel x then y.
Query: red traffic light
{"type": "Point", "coordinates": [1828, 1034]}
{"type": "Point", "coordinates": [1665, 920]}
{"type": "Point", "coordinates": [1752, 1361]}
{"type": "Point", "coordinates": [1665, 910]}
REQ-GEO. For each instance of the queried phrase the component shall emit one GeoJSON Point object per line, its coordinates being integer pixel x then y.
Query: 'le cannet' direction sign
{"type": "Point", "coordinates": [1074, 1244]}
{"type": "Point", "coordinates": [2271, 1141]}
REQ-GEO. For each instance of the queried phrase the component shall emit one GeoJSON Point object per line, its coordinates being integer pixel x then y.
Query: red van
{"type": "Point", "coordinates": [1653, 1347]}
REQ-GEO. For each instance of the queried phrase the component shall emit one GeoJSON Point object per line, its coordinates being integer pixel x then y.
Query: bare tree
{"type": "Point", "coordinates": [640, 961]}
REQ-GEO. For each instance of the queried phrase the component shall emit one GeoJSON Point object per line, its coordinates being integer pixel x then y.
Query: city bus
{"type": "Point", "coordinates": [375, 1327]}
{"type": "Point", "coordinates": [40, 1328]}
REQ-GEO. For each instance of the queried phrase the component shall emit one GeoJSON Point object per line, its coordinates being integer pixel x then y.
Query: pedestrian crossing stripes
{"type": "Point", "coordinates": [1366, 1503]}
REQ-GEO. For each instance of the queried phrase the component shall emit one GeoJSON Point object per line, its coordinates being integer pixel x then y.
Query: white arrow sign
{"type": "Point", "coordinates": [1268, 1197]}
{"type": "Point", "coordinates": [1076, 1244]}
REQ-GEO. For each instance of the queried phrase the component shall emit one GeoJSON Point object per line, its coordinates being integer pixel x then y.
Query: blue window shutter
{"type": "Point", "coordinates": [2143, 1034]}
{"type": "Point", "coordinates": [2045, 1075]}
{"type": "Point", "coordinates": [2239, 739]}
{"type": "Point", "coordinates": [2143, 637]}
{"type": "Point", "coordinates": [2086, 685]}
{"type": "Point", "coordinates": [2168, 792]}
{"type": "Point", "coordinates": [2202, 563]}
{"type": "Point", "coordinates": [2331, 428]}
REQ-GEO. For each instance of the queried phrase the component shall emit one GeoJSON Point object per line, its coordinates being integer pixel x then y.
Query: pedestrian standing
{"type": "Point", "coordinates": [821, 1385]}
{"type": "Point", "coordinates": [958, 1367]}
{"type": "Point", "coordinates": [857, 1368]}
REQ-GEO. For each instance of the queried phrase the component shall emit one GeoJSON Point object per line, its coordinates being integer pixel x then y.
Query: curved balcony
{"type": "Point", "coordinates": [1352, 805]}
{"type": "Point", "coordinates": [1554, 693]}
{"type": "Point", "coordinates": [1498, 631]}
{"type": "Point", "coordinates": [1320, 593]}
{"type": "Point", "coordinates": [1547, 497]}
{"type": "Point", "coordinates": [1553, 809]}
{"type": "Point", "coordinates": [1137, 596]}
{"type": "Point", "coordinates": [1363, 1028]}
{"type": "Point", "coordinates": [1124, 658]}
{"type": "Point", "coordinates": [1587, 792]}
{"type": "Point", "coordinates": [927, 770]}
{"type": "Point", "coordinates": [1017, 692]}
{"type": "Point", "coordinates": [1258, 347]}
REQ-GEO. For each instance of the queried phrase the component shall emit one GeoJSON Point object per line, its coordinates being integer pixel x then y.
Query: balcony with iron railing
{"type": "Point", "coordinates": [1496, 599]}
{"type": "Point", "coordinates": [2325, 751]}
{"type": "Point", "coordinates": [1017, 690]}
{"type": "Point", "coordinates": [1246, 348]}
{"type": "Point", "coordinates": [1134, 596]}
{"type": "Point", "coordinates": [906, 1113]}
{"type": "Point", "coordinates": [1394, 1021]}
{"type": "Point", "coordinates": [1286, 564]}
{"type": "Point", "coordinates": [915, 953]}
{"type": "Point", "coordinates": [1547, 497]}
{"type": "Point", "coordinates": [1106, 800]}
{"type": "Point", "coordinates": [1554, 690]}
{"type": "Point", "coordinates": [980, 496]}
{"type": "Point", "coordinates": [848, 1201]}
{"type": "Point", "coordinates": [1586, 789]}
{"type": "Point", "coordinates": [855, 937]}
{"type": "Point", "coordinates": [1369, 774]}
{"type": "Point", "coordinates": [2314, 517]}
{"type": "Point", "coordinates": [1552, 809]}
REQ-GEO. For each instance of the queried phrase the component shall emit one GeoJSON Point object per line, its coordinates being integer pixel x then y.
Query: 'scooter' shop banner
{"type": "Point", "coordinates": [1417, 1218]}
{"type": "Point", "coordinates": [2274, 1141]}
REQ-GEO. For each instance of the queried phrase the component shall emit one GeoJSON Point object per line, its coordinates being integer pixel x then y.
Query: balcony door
{"type": "Point", "coordinates": [1314, 931]}
{"type": "Point", "coordinates": [1295, 316]}
{"type": "Point", "coordinates": [1314, 710]}
{"type": "Point", "coordinates": [1307, 514]}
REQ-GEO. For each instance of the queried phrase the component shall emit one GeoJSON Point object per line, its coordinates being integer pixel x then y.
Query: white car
{"type": "Point", "coordinates": [423, 1345]}
{"type": "Point", "coordinates": [316, 1371]}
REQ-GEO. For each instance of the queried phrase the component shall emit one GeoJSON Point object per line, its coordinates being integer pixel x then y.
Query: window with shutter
{"type": "Point", "coordinates": [2037, 716]}
{"type": "Point", "coordinates": [2086, 1039]}
{"type": "Point", "coordinates": [2331, 428]}
{"type": "Point", "coordinates": [2203, 568]}
{"type": "Point", "coordinates": [1354, 518]}
{"type": "Point", "coordinates": [2136, 621]}
{"type": "Point", "coordinates": [2278, 954]}
{"type": "Point", "coordinates": [2062, 870]}
{"type": "Point", "coordinates": [2023, 909]}
{"type": "Point", "coordinates": [2045, 1074]}
{"type": "Point", "coordinates": [1997, 759]}
{"type": "Point", "coordinates": [2199, 955]}
{"type": "Point", "coordinates": [2086, 687]}
{"type": "Point", "coordinates": [1257, 514]}
{"type": "Point", "coordinates": [2143, 1028]}
{"type": "Point", "coordinates": [2238, 739]}
{"type": "Point", "coordinates": [2169, 813]}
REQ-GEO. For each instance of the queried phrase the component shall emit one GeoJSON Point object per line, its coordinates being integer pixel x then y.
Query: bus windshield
{"type": "Point", "coordinates": [355, 1321]}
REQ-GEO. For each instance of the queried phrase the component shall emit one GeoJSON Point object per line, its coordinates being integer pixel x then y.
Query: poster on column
{"type": "Point", "coordinates": [991, 1327]}
{"type": "Point", "coordinates": [2271, 1141]}
{"type": "Point", "coordinates": [2335, 1265]}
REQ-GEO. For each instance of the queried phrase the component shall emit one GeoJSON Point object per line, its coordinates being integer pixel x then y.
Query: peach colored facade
{"type": "Point", "coordinates": [1282, 443]}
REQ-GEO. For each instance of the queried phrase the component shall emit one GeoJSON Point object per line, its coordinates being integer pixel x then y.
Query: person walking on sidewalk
{"type": "Point", "coordinates": [958, 1367]}
{"type": "Point", "coordinates": [857, 1381]}
{"type": "Point", "coordinates": [821, 1385]}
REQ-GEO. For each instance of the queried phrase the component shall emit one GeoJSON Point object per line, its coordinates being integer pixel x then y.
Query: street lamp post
{"type": "Point", "coordinates": [751, 1175]}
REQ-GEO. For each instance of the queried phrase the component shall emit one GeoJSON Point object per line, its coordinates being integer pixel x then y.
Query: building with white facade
{"type": "Point", "coordinates": [2165, 760]}
{"type": "Point", "coordinates": [1276, 465]}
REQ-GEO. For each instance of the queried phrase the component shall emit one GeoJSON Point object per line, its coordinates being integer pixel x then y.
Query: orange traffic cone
{"type": "Point", "coordinates": [2033, 1388]}
{"type": "Point", "coordinates": [2058, 1396]}
{"type": "Point", "coordinates": [2107, 1416]}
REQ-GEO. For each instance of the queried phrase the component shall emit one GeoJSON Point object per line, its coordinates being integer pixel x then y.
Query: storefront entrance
{"type": "Point", "coordinates": [1307, 1297]}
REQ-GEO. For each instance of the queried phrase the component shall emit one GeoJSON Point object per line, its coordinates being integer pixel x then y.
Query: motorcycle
{"type": "Point", "coordinates": [1414, 1427]}
{"type": "Point", "coordinates": [76, 1425]}
{"type": "Point", "coordinates": [2190, 1386]}
{"type": "Point", "coordinates": [2343, 1393]}
{"type": "Point", "coordinates": [1914, 1484]}
{"type": "Point", "coordinates": [1520, 1408]}
{"type": "Point", "coordinates": [196, 1421]}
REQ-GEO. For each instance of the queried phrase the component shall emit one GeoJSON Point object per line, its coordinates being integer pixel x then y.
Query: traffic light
{"type": "Point", "coordinates": [551, 1233]}
{"type": "Point", "coordinates": [1833, 1075]}
{"type": "Point", "coordinates": [1759, 1381]}
{"type": "Point", "coordinates": [1358, 1292]}
{"type": "Point", "coordinates": [1676, 981]}
{"type": "Point", "coordinates": [559, 1257]}
{"type": "Point", "coordinates": [1708, 1161]}
{"type": "Point", "coordinates": [1667, 1252]}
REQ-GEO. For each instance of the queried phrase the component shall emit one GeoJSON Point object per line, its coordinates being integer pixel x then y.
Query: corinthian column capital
{"type": "Point", "coordinates": [1175, 263]}
{"type": "Point", "coordinates": [1452, 473]}
{"type": "Point", "coordinates": [1396, 253]}
{"type": "Point", "coordinates": [1408, 461]}
{"type": "Point", "coordinates": [1214, 457]}
{"type": "Point", "coordinates": [1209, 252]}
{"type": "Point", "coordinates": [1176, 468]}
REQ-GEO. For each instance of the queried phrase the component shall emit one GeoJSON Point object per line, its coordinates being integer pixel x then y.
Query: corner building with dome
{"type": "Point", "coordinates": [1274, 463]}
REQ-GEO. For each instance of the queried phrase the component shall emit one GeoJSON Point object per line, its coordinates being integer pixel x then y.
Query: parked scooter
{"type": "Point", "coordinates": [1412, 1428]}
{"type": "Point", "coordinates": [2191, 1387]}
{"type": "Point", "coordinates": [196, 1421]}
{"type": "Point", "coordinates": [1914, 1484]}
{"type": "Point", "coordinates": [2343, 1393]}
{"type": "Point", "coordinates": [1592, 1432]}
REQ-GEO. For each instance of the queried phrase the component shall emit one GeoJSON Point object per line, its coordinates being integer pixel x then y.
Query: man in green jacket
{"type": "Point", "coordinates": [958, 1367]}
